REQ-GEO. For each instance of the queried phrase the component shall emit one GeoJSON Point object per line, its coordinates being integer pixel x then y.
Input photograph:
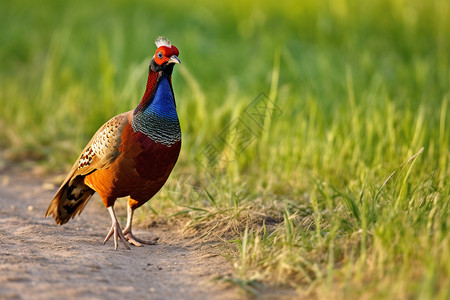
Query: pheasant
{"type": "Point", "coordinates": [131, 155]}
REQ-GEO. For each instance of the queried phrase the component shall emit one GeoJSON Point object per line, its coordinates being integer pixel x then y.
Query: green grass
{"type": "Point", "coordinates": [340, 188]}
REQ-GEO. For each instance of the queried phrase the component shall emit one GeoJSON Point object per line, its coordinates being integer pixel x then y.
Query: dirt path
{"type": "Point", "coordinates": [40, 260]}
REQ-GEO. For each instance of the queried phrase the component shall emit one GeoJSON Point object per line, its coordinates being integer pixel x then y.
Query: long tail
{"type": "Point", "coordinates": [70, 200]}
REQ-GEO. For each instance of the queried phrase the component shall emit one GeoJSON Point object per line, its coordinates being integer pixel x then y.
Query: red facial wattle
{"type": "Point", "coordinates": [164, 53]}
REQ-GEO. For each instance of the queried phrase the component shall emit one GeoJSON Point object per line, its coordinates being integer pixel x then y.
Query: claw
{"type": "Point", "coordinates": [116, 230]}
{"type": "Point", "coordinates": [110, 233]}
{"type": "Point", "coordinates": [137, 241]}
{"type": "Point", "coordinates": [129, 235]}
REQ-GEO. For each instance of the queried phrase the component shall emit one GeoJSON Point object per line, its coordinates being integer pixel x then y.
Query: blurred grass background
{"type": "Point", "coordinates": [309, 203]}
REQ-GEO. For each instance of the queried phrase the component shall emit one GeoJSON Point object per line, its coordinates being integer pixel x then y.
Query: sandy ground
{"type": "Point", "coordinates": [40, 260]}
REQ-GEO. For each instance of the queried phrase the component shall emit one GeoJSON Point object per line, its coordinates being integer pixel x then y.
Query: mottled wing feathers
{"type": "Point", "coordinates": [99, 153]}
{"type": "Point", "coordinates": [103, 148]}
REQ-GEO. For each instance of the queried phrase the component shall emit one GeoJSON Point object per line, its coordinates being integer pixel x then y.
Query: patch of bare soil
{"type": "Point", "coordinates": [40, 260]}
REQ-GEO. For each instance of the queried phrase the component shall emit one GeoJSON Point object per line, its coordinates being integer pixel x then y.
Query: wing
{"type": "Point", "coordinates": [103, 148]}
{"type": "Point", "coordinates": [99, 153]}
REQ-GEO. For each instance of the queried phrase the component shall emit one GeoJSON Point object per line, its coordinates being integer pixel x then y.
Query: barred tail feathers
{"type": "Point", "coordinates": [70, 200]}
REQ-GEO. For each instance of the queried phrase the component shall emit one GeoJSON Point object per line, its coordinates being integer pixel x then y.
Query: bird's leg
{"type": "Point", "coordinates": [116, 230]}
{"type": "Point", "coordinates": [129, 236]}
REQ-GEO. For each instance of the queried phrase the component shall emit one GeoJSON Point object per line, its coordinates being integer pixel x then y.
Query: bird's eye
{"type": "Point", "coordinates": [160, 55]}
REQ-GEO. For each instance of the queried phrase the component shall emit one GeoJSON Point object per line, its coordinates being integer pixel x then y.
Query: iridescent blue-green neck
{"type": "Point", "coordinates": [158, 118]}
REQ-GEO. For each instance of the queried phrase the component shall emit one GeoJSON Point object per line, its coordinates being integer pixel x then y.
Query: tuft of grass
{"type": "Point", "coordinates": [315, 134]}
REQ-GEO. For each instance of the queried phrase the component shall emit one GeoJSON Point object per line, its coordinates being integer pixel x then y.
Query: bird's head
{"type": "Point", "coordinates": [166, 54]}
{"type": "Point", "coordinates": [161, 67]}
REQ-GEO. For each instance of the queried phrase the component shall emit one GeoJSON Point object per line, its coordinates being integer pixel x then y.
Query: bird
{"type": "Point", "coordinates": [132, 154]}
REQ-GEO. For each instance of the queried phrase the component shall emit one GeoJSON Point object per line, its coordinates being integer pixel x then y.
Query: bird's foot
{"type": "Point", "coordinates": [137, 241]}
{"type": "Point", "coordinates": [117, 231]}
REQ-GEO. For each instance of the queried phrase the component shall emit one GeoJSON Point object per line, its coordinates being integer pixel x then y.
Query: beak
{"type": "Point", "coordinates": [174, 60]}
